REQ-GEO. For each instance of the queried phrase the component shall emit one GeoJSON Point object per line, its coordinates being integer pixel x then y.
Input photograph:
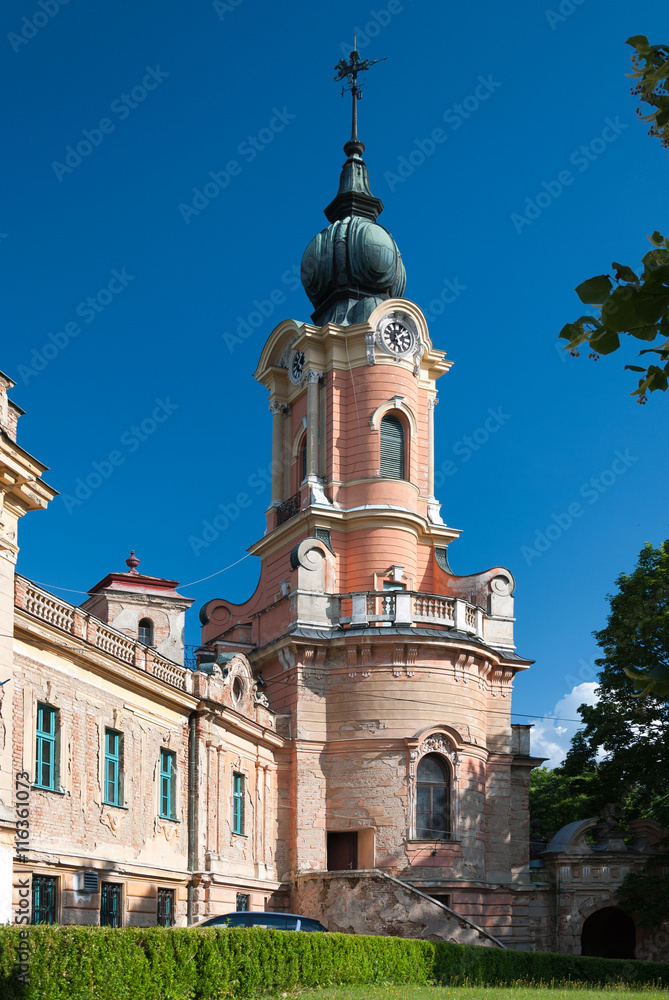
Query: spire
{"type": "Point", "coordinates": [354, 196]}
{"type": "Point", "coordinates": [354, 264]}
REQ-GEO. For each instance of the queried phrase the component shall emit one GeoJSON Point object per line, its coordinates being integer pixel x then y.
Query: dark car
{"type": "Point", "coordinates": [257, 918]}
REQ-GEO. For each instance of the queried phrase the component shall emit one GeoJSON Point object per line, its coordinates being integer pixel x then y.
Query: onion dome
{"type": "Point", "coordinates": [354, 264]}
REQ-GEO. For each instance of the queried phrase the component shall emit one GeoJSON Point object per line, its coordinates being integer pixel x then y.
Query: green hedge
{"type": "Point", "coordinates": [96, 963]}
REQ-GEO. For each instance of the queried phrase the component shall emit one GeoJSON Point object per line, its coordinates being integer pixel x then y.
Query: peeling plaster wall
{"type": "Point", "coordinates": [72, 828]}
{"type": "Point", "coordinates": [371, 903]}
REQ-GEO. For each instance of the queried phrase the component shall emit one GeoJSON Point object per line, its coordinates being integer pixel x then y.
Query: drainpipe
{"type": "Point", "coordinates": [191, 812]}
{"type": "Point", "coordinates": [557, 908]}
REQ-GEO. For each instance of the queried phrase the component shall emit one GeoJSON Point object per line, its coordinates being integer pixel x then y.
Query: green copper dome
{"type": "Point", "coordinates": [354, 264]}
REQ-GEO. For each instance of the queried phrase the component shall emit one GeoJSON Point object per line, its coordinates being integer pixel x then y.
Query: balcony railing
{"type": "Point", "coordinates": [404, 607]}
{"type": "Point", "coordinates": [289, 508]}
{"type": "Point", "coordinates": [75, 622]}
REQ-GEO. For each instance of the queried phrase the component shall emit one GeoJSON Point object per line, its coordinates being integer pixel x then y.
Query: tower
{"type": "Point", "coordinates": [391, 675]}
{"type": "Point", "coordinates": [147, 608]}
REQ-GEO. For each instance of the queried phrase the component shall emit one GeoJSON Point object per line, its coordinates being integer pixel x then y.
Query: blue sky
{"type": "Point", "coordinates": [504, 215]}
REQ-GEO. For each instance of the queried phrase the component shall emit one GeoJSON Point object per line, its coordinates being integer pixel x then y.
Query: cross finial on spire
{"type": "Point", "coordinates": [349, 71]}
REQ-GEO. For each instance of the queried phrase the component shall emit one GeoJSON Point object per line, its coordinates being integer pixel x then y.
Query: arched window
{"type": "Point", "coordinates": [433, 799]}
{"type": "Point", "coordinates": [303, 458]}
{"type": "Point", "coordinates": [145, 631]}
{"type": "Point", "coordinates": [392, 448]}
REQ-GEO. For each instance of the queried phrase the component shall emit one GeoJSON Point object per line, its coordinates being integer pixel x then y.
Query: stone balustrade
{"type": "Point", "coordinates": [404, 607]}
{"type": "Point", "coordinates": [73, 621]}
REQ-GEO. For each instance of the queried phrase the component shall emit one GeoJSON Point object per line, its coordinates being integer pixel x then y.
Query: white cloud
{"type": "Point", "coordinates": [552, 737]}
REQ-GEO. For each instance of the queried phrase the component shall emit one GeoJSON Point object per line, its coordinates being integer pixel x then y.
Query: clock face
{"type": "Point", "coordinates": [396, 337]}
{"type": "Point", "coordinates": [297, 367]}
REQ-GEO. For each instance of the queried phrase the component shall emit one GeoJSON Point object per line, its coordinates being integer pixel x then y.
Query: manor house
{"type": "Point", "coordinates": [343, 746]}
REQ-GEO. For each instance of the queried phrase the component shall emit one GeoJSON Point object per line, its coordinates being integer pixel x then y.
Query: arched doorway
{"type": "Point", "coordinates": [609, 933]}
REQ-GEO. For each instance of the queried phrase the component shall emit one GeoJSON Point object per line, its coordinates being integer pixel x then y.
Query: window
{"type": "Point", "coordinates": [303, 458]}
{"type": "Point", "coordinates": [110, 905]}
{"type": "Point", "coordinates": [168, 774]}
{"type": "Point", "coordinates": [238, 689]}
{"type": "Point", "coordinates": [393, 585]}
{"type": "Point", "coordinates": [243, 901]}
{"type": "Point", "coordinates": [392, 448]}
{"type": "Point", "coordinates": [44, 900]}
{"type": "Point", "coordinates": [165, 908]}
{"type": "Point", "coordinates": [46, 747]}
{"type": "Point", "coordinates": [432, 799]}
{"type": "Point", "coordinates": [113, 791]}
{"type": "Point", "coordinates": [237, 803]}
{"type": "Point", "coordinates": [145, 631]}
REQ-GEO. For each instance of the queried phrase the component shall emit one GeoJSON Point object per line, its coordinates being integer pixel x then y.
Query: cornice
{"type": "Point", "coordinates": [241, 725]}
{"type": "Point", "coordinates": [32, 632]}
{"type": "Point", "coordinates": [355, 518]}
{"type": "Point", "coordinates": [20, 478]}
{"type": "Point", "coordinates": [383, 636]}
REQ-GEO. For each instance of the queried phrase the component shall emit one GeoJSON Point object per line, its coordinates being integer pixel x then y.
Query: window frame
{"type": "Point", "coordinates": [50, 739]}
{"type": "Point", "coordinates": [427, 831]}
{"type": "Point", "coordinates": [39, 883]}
{"type": "Point", "coordinates": [167, 784]}
{"type": "Point", "coordinates": [165, 915]}
{"type": "Point", "coordinates": [391, 419]}
{"type": "Point", "coordinates": [116, 760]}
{"type": "Point", "coordinates": [238, 812]}
{"type": "Point", "coordinates": [116, 889]}
{"type": "Point", "coordinates": [151, 631]}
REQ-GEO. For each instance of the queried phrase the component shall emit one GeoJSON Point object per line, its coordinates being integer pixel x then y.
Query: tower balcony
{"type": "Point", "coordinates": [403, 608]}
{"type": "Point", "coordinates": [400, 607]}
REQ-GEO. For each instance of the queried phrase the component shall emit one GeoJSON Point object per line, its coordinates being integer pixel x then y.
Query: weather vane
{"type": "Point", "coordinates": [349, 71]}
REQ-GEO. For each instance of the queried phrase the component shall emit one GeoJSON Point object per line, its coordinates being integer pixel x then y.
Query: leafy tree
{"type": "Point", "coordinates": [627, 303]}
{"type": "Point", "coordinates": [646, 893]}
{"type": "Point", "coordinates": [650, 65]}
{"type": "Point", "coordinates": [557, 798]}
{"type": "Point", "coordinates": [632, 732]}
{"type": "Point", "coordinates": [629, 725]}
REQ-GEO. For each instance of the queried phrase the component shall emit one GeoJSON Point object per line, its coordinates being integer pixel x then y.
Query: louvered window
{"type": "Point", "coordinates": [392, 448]}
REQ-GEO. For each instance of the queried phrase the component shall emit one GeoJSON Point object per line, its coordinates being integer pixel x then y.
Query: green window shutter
{"type": "Point", "coordinates": [237, 803]}
{"type": "Point", "coordinates": [392, 448]}
{"type": "Point", "coordinates": [112, 788]}
{"type": "Point", "coordinates": [167, 784]}
{"type": "Point", "coordinates": [46, 747]}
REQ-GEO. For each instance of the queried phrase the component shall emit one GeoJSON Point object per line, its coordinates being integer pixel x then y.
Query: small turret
{"type": "Point", "coordinates": [147, 608]}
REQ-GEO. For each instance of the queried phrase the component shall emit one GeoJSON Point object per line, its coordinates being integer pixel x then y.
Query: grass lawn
{"type": "Point", "coordinates": [395, 992]}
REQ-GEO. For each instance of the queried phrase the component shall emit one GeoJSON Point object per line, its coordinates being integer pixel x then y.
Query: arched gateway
{"type": "Point", "coordinates": [609, 933]}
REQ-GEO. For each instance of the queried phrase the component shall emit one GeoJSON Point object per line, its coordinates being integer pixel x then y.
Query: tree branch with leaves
{"type": "Point", "coordinates": [627, 303]}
